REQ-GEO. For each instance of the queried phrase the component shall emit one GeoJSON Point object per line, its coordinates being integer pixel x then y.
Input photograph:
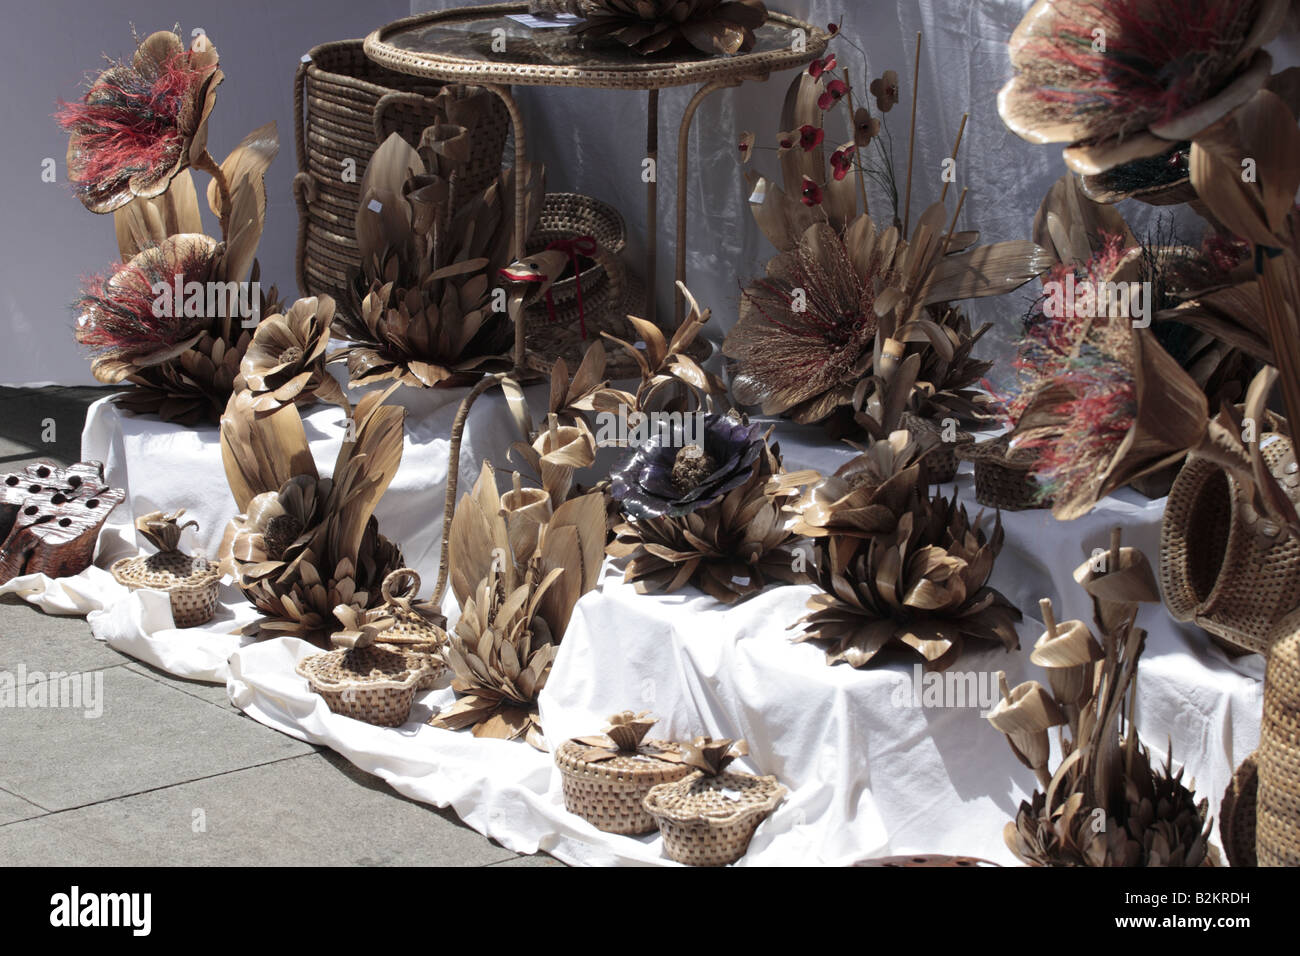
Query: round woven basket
{"type": "Point", "coordinates": [568, 216]}
{"type": "Point", "coordinates": [1222, 565]}
{"type": "Point", "coordinates": [189, 580]}
{"type": "Point", "coordinates": [345, 105]}
{"type": "Point", "coordinates": [941, 459]}
{"type": "Point", "coordinates": [417, 630]}
{"type": "Point", "coordinates": [610, 794]}
{"type": "Point", "coordinates": [709, 821]}
{"type": "Point", "coordinates": [1003, 477]}
{"type": "Point", "coordinates": [1277, 808]}
{"type": "Point", "coordinates": [372, 684]}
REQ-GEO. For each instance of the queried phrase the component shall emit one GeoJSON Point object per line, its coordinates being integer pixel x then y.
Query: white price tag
{"type": "Point", "coordinates": [375, 206]}
{"type": "Point", "coordinates": [544, 23]}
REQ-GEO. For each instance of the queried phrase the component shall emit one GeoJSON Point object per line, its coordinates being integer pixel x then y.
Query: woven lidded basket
{"type": "Point", "coordinates": [941, 458]}
{"type": "Point", "coordinates": [345, 105]}
{"type": "Point", "coordinates": [189, 580]}
{"type": "Point", "coordinates": [1222, 565]}
{"type": "Point", "coordinates": [372, 684]}
{"type": "Point", "coordinates": [1277, 806]}
{"type": "Point", "coordinates": [572, 216]}
{"type": "Point", "coordinates": [606, 778]}
{"type": "Point", "coordinates": [709, 820]}
{"type": "Point", "coordinates": [1003, 476]}
{"type": "Point", "coordinates": [418, 629]}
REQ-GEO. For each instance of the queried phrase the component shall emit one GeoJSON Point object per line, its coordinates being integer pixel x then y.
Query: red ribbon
{"type": "Point", "coordinates": [579, 246]}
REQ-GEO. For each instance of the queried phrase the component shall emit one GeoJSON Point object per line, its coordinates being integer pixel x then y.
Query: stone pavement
{"type": "Point", "coordinates": [169, 773]}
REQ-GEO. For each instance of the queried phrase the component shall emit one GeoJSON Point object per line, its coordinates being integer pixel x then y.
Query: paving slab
{"type": "Point", "coordinates": [300, 811]}
{"type": "Point", "coordinates": [214, 694]}
{"type": "Point", "coordinates": [148, 736]}
{"type": "Point", "coordinates": [41, 641]}
{"type": "Point", "coordinates": [14, 807]}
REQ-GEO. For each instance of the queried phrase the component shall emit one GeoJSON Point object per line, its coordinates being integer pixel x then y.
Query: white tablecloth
{"type": "Point", "coordinates": [870, 770]}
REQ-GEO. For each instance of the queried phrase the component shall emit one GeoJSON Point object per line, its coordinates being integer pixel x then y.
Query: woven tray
{"type": "Point", "coordinates": [610, 794]}
{"type": "Point", "coordinates": [701, 825]}
{"type": "Point", "coordinates": [189, 580]}
{"type": "Point", "coordinates": [345, 105]}
{"type": "Point", "coordinates": [373, 684]}
{"type": "Point", "coordinates": [1221, 564]}
{"type": "Point", "coordinates": [1002, 478]}
{"type": "Point", "coordinates": [941, 459]}
{"type": "Point", "coordinates": [1277, 808]}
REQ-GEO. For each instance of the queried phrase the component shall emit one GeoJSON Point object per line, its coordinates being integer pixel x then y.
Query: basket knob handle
{"type": "Point", "coordinates": [400, 586]}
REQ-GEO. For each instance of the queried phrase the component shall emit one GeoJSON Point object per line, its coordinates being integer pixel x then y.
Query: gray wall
{"type": "Point", "coordinates": [48, 239]}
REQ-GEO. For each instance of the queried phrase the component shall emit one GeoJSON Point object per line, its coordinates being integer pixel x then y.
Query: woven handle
{"type": "Point", "coordinates": [302, 181]}
{"type": "Point", "coordinates": [386, 103]}
{"type": "Point", "coordinates": [400, 585]}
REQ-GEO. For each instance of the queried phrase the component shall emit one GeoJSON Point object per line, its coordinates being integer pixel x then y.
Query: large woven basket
{"type": "Point", "coordinates": [709, 821]}
{"type": "Point", "coordinates": [941, 458]}
{"type": "Point", "coordinates": [189, 580]}
{"type": "Point", "coordinates": [417, 630]}
{"type": "Point", "coordinates": [610, 794]}
{"type": "Point", "coordinates": [372, 684]}
{"type": "Point", "coordinates": [1222, 565]}
{"type": "Point", "coordinates": [1003, 476]}
{"type": "Point", "coordinates": [1277, 808]}
{"type": "Point", "coordinates": [345, 105]}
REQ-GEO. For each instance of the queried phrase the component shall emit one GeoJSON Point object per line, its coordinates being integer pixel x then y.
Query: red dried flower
{"type": "Point", "coordinates": [817, 67]}
{"type": "Point", "coordinates": [842, 161]}
{"type": "Point", "coordinates": [137, 125]}
{"type": "Point", "coordinates": [810, 137]}
{"type": "Point", "coordinates": [835, 91]}
{"type": "Point", "coordinates": [811, 192]}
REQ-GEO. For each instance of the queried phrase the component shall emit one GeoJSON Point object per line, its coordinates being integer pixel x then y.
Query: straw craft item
{"type": "Point", "coordinates": [418, 628]}
{"type": "Point", "coordinates": [189, 580]}
{"type": "Point", "coordinates": [940, 455]}
{"type": "Point", "coordinates": [1237, 814]}
{"type": "Point", "coordinates": [606, 778]}
{"type": "Point", "coordinates": [708, 817]}
{"type": "Point", "coordinates": [926, 860]}
{"type": "Point", "coordinates": [50, 518]}
{"type": "Point", "coordinates": [372, 684]}
{"type": "Point", "coordinates": [1277, 823]}
{"type": "Point", "coordinates": [1223, 565]}
{"type": "Point", "coordinates": [345, 105]}
{"type": "Point", "coordinates": [1003, 477]}
{"type": "Point", "coordinates": [572, 217]}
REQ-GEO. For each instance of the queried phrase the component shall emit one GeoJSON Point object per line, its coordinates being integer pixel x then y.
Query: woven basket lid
{"type": "Point", "coordinates": [414, 621]}
{"type": "Point", "coordinates": [724, 800]}
{"type": "Point", "coordinates": [996, 451]}
{"type": "Point", "coordinates": [647, 760]}
{"type": "Point", "coordinates": [166, 571]}
{"type": "Point", "coordinates": [372, 668]}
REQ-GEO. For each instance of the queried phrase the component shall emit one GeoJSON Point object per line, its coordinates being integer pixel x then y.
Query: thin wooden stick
{"type": "Point", "coordinates": [1116, 535]}
{"type": "Point", "coordinates": [955, 146]}
{"type": "Point", "coordinates": [857, 159]}
{"type": "Point", "coordinates": [952, 226]}
{"type": "Point", "coordinates": [1049, 618]}
{"type": "Point", "coordinates": [911, 139]}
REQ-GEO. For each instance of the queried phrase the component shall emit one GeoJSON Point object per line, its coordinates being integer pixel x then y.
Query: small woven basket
{"type": "Point", "coordinates": [569, 216]}
{"type": "Point", "coordinates": [1003, 477]}
{"type": "Point", "coordinates": [709, 821]}
{"type": "Point", "coordinates": [1277, 807]}
{"type": "Point", "coordinates": [417, 630]}
{"type": "Point", "coordinates": [345, 105]}
{"type": "Point", "coordinates": [373, 684]}
{"type": "Point", "coordinates": [941, 459]}
{"type": "Point", "coordinates": [1222, 565]}
{"type": "Point", "coordinates": [189, 580]}
{"type": "Point", "coordinates": [610, 794]}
